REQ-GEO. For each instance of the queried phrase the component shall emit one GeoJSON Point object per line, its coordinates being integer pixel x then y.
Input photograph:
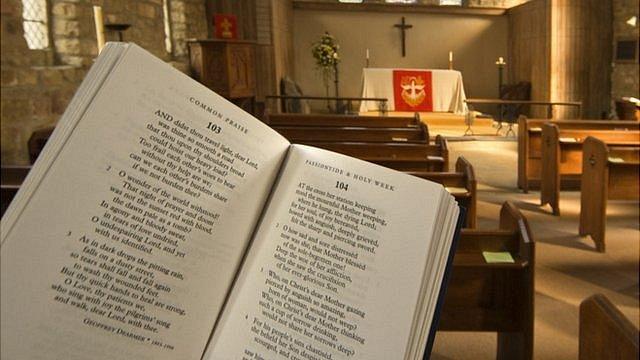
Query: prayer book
{"type": "Point", "coordinates": [163, 222]}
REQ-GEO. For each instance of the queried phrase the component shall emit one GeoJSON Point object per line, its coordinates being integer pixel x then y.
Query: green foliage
{"type": "Point", "coordinates": [325, 51]}
{"type": "Point", "coordinates": [325, 54]}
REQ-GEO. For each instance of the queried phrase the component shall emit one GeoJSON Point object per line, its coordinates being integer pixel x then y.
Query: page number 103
{"type": "Point", "coordinates": [215, 128]}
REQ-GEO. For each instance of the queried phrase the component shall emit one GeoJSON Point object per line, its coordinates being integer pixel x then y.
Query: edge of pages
{"type": "Point", "coordinates": [88, 89]}
{"type": "Point", "coordinates": [445, 283]}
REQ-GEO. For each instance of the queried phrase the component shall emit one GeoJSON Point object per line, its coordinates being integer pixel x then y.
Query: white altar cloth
{"type": "Point", "coordinates": [447, 89]}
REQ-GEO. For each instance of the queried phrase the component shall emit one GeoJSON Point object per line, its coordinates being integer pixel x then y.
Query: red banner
{"type": "Point", "coordinates": [412, 90]}
{"type": "Point", "coordinates": [226, 26]}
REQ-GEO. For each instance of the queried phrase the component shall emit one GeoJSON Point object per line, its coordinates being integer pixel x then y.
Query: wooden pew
{"type": "Point", "coordinates": [607, 173]}
{"type": "Point", "coordinates": [496, 297]}
{"type": "Point", "coordinates": [605, 333]}
{"type": "Point", "coordinates": [562, 158]}
{"type": "Point", "coordinates": [398, 156]}
{"type": "Point", "coordinates": [461, 184]}
{"type": "Point", "coordinates": [37, 141]}
{"type": "Point", "coordinates": [341, 120]}
{"type": "Point", "coordinates": [298, 134]}
{"type": "Point", "coordinates": [11, 179]}
{"type": "Point", "coordinates": [530, 143]}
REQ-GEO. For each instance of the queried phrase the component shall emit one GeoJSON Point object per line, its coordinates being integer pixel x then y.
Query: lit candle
{"type": "Point", "coordinates": [501, 60]}
{"type": "Point", "coordinates": [450, 56]}
{"type": "Point", "coordinates": [367, 53]}
{"type": "Point", "coordinates": [97, 16]}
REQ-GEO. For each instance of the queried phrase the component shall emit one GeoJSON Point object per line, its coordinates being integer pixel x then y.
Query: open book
{"type": "Point", "coordinates": [163, 222]}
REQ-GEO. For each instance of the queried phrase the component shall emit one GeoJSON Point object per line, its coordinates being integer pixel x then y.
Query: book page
{"type": "Point", "coordinates": [128, 245]}
{"type": "Point", "coordinates": [336, 267]}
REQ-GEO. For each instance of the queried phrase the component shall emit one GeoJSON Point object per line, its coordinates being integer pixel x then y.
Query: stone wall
{"type": "Point", "coordinates": [188, 21]}
{"type": "Point", "coordinates": [34, 92]}
{"type": "Point", "coordinates": [74, 35]}
{"type": "Point", "coordinates": [624, 76]}
{"type": "Point", "coordinates": [37, 85]}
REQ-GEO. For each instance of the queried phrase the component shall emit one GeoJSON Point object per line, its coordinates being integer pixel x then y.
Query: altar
{"type": "Point", "coordinates": [424, 90]}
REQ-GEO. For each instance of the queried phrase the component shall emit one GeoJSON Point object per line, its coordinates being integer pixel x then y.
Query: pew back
{"type": "Point", "coordinates": [562, 157]}
{"type": "Point", "coordinates": [37, 141]}
{"type": "Point", "coordinates": [11, 177]}
{"type": "Point", "coordinates": [341, 120]}
{"type": "Point", "coordinates": [399, 156]}
{"type": "Point", "coordinates": [530, 143]}
{"type": "Point", "coordinates": [605, 333]}
{"type": "Point", "coordinates": [297, 134]}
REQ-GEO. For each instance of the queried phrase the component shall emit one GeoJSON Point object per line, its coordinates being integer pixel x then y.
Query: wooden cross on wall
{"type": "Point", "coordinates": [403, 27]}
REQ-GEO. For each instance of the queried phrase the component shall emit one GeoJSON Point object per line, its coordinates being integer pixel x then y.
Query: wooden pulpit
{"type": "Point", "coordinates": [226, 67]}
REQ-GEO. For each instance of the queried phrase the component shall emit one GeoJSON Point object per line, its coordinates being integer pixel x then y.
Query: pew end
{"type": "Point", "coordinates": [550, 179]}
{"type": "Point", "coordinates": [464, 166]}
{"type": "Point", "coordinates": [593, 195]}
{"type": "Point", "coordinates": [496, 297]}
{"type": "Point", "coordinates": [442, 143]}
{"type": "Point", "coordinates": [605, 333]}
{"type": "Point", "coordinates": [607, 173]}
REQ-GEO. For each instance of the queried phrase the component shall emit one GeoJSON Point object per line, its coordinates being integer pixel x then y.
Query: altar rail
{"type": "Point", "coordinates": [549, 104]}
{"type": "Point", "coordinates": [382, 102]}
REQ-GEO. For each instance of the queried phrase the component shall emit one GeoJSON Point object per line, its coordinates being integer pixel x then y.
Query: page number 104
{"type": "Point", "coordinates": [342, 186]}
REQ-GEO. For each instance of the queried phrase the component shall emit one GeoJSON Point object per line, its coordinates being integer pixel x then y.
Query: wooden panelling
{"type": "Point", "coordinates": [282, 28]}
{"type": "Point", "coordinates": [581, 55]}
{"type": "Point", "coordinates": [563, 47]}
{"type": "Point", "coordinates": [529, 50]}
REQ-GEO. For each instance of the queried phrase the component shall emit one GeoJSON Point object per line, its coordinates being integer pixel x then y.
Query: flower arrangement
{"type": "Point", "coordinates": [325, 53]}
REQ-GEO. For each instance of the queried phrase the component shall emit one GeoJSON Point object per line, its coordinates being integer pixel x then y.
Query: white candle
{"type": "Point", "coordinates": [501, 60]}
{"type": "Point", "coordinates": [97, 16]}
{"type": "Point", "coordinates": [367, 53]}
{"type": "Point", "coordinates": [450, 56]}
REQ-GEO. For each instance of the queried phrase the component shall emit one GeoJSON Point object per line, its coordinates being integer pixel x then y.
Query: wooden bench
{"type": "Point", "coordinates": [341, 120]}
{"type": "Point", "coordinates": [398, 156]}
{"type": "Point", "coordinates": [461, 184]}
{"type": "Point", "coordinates": [11, 179]}
{"type": "Point", "coordinates": [605, 333]}
{"type": "Point", "coordinates": [530, 144]}
{"type": "Point", "coordinates": [37, 141]}
{"type": "Point", "coordinates": [298, 134]}
{"type": "Point", "coordinates": [562, 158]}
{"type": "Point", "coordinates": [495, 297]}
{"type": "Point", "coordinates": [607, 173]}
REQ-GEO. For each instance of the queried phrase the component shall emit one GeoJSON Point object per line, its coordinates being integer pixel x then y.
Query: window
{"type": "Point", "coordinates": [166, 11]}
{"type": "Point", "coordinates": [451, 2]}
{"type": "Point", "coordinates": [35, 23]}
